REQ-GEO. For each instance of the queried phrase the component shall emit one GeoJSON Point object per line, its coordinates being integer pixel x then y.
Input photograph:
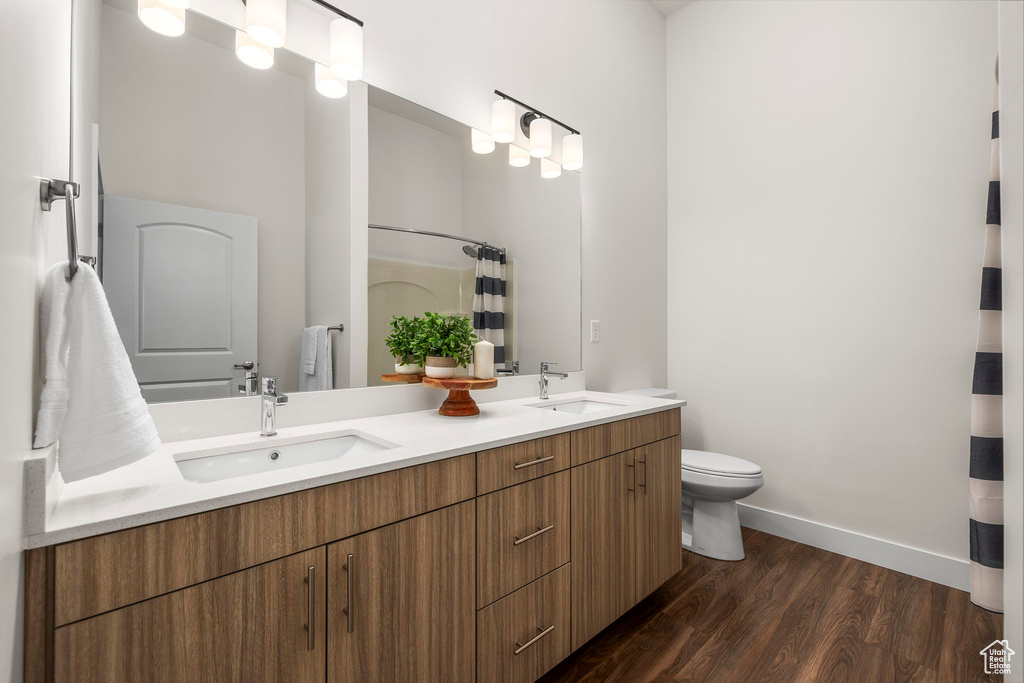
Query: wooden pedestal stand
{"type": "Point", "coordinates": [459, 403]}
{"type": "Point", "coordinates": [403, 378]}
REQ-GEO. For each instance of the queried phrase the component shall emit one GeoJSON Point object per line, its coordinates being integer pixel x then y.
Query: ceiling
{"type": "Point", "coordinates": [667, 7]}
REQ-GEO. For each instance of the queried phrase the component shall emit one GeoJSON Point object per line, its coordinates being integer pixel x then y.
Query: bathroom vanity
{"type": "Point", "coordinates": [490, 564]}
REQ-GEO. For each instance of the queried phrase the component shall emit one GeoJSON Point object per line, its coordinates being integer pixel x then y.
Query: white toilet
{"type": "Point", "coordinates": [712, 483]}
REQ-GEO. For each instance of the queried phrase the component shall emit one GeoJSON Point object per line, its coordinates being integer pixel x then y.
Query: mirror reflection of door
{"type": "Point", "coordinates": [181, 283]}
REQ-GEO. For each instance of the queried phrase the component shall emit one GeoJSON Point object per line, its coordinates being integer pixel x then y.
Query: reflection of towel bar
{"type": "Point", "coordinates": [54, 190]}
{"type": "Point", "coordinates": [339, 328]}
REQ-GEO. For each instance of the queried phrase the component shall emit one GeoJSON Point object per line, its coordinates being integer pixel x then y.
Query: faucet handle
{"type": "Point", "coordinates": [269, 385]}
{"type": "Point", "coordinates": [545, 364]}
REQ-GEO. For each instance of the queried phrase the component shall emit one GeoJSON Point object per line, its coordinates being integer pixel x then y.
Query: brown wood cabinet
{"type": "Point", "coordinates": [490, 566]}
{"type": "Point", "coordinates": [400, 600]}
{"type": "Point", "coordinates": [261, 624]}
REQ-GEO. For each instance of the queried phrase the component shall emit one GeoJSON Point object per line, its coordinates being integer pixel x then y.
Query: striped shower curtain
{"type": "Point", "coordinates": [489, 299]}
{"type": "Point", "coordinates": [986, 477]}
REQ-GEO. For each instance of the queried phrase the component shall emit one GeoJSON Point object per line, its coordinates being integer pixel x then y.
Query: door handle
{"type": "Point", "coordinates": [644, 463]}
{"type": "Point", "coordinates": [350, 611]}
{"type": "Point", "coordinates": [541, 633]}
{"type": "Point", "coordinates": [247, 365]}
{"type": "Point", "coordinates": [311, 608]}
{"type": "Point", "coordinates": [633, 465]}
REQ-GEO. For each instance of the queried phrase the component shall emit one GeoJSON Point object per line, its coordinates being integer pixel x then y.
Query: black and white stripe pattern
{"type": "Point", "coordinates": [986, 476]}
{"type": "Point", "coordinates": [489, 299]}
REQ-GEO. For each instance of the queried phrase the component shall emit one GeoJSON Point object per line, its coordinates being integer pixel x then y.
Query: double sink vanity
{"type": "Point", "coordinates": [404, 547]}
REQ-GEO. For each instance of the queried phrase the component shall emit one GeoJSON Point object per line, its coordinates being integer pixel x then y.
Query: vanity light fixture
{"type": "Point", "coordinates": [550, 169]}
{"type": "Point", "coordinates": [537, 126]}
{"type": "Point", "coordinates": [572, 152]}
{"type": "Point", "coordinates": [483, 143]}
{"type": "Point", "coordinates": [327, 82]}
{"type": "Point", "coordinates": [347, 48]}
{"type": "Point", "coordinates": [166, 17]}
{"type": "Point", "coordinates": [518, 157]}
{"type": "Point", "coordinates": [540, 138]}
{"type": "Point", "coordinates": [252, 52]}
{"type": "Point", "coordinates": [503, 121]}
{"type": "Point", "coordinates": [265, 20]}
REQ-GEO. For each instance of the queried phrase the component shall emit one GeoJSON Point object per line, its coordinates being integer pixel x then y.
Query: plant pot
{"type": "Point", "coordinates": [440, 367]}
{"type": "Point", "coordinates": [408, 367]}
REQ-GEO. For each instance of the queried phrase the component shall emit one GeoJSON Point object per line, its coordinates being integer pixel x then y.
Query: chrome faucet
{"type": "Point", "coordinates": [268, 411]}
{"type": "Point", "coordinates": [545, 374]}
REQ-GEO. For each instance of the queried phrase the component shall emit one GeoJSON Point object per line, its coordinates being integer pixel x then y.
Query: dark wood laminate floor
{"type": "Point", "coordinates": [790, 612]}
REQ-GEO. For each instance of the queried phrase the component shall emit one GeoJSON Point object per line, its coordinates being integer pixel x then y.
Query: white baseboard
{"type": "Point", "coordinates": [920, 563]}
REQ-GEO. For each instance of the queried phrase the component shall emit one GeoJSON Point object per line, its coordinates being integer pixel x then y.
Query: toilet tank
{"type": "Point", "coordinates": [653, 392]}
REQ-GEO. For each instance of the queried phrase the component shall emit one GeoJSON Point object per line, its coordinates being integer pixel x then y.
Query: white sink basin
{"type": "Point", "coordinates": [243, 462]}
{"type": "Point", "coordinates": [578, 407]}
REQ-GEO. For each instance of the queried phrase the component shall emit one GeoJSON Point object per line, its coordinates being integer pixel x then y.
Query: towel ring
{"type": "Point", "coordinates": [55, 190]}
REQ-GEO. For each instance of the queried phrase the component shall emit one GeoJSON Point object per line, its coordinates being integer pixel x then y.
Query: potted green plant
{"type": "Point", "coordinates": [400, 342]}
{"type": "Point", "coordinates": [444, 343]}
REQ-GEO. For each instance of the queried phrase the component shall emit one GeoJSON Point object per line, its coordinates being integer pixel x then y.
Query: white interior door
{"type": "Point", "coordinates": [181, 283]}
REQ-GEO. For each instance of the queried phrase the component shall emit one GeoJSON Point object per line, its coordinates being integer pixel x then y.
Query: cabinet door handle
{"type": "Point", "coordinates": [521, 465]}
{"type": "Point", "coordinates": [644, 463]}
{"type": "Point", "coordinates": [541, 633]}
{"type": "Point", "coordinates": [350, 608]}
{"type": "Point", "coordinates": [633, 487]}
{"type": "Point", "coordinates": [311, 608]}
{"type": "Point", "coordinates": [535, 534]}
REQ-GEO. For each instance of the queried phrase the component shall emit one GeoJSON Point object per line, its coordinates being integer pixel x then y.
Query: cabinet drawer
{"type": "Point", "coordinates": [522, 636]}
{"type": "Point", "coordinates": [615, 437]}
{"type": "Point", "coordinates": [522, 534]}
{"type": "Point", "coordinates": [508, 465]}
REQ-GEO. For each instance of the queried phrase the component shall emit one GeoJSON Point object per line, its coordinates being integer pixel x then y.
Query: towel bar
{"type": "Point", "coordinates": [53, 190]}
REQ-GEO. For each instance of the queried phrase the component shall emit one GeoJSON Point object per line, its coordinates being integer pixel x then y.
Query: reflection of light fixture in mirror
{"type": "Point", "coordinates": [482, 142]}
{"type": "Point", "coordinates": [572, 152]}
{"type": "Point", "coordinates": [264, 21]}
{"type": "Point", "coordinates": [540, 138]}
{"type": "Point", "coordinates": [503, 121]}
{"type": "Point", "coordinates": [549, 169]}
{"type": "Point", "coordinates": [166, 17]}
{"type": "Point", "coordinates": [253, 53]}
{"type": "Point", "coordinates": [328, 84]}
{"type": "Point", "coordinates": [347, 49]}
{"type": "Point", "coordinates": [518, 157]}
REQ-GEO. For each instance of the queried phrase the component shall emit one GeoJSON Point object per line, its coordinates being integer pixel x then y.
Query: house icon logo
{"type": "Point", "coordinates": [997, 657]}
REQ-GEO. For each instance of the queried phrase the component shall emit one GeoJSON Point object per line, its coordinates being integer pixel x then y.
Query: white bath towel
{"type": "Point", "coordinates": [308, 353]}
{"type": "Point", "coordinates": [91, 400]}
{"type": "Point", "coordinates": [322, 377]}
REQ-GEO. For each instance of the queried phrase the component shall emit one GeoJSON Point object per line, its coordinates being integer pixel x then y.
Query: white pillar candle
{"type": "Point", "coordinates": [483, 360]}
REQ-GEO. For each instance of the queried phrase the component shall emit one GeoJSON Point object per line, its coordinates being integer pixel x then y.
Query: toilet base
{"type": "Point", "coordinates": [712, 528]}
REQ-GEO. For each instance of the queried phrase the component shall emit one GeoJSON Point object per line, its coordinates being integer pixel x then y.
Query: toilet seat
{"type": "Point", "coordinates": [719, 465]}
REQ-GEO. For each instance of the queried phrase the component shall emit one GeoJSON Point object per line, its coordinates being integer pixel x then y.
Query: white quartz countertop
{"type": "Point", "coordinates": [153, 489]}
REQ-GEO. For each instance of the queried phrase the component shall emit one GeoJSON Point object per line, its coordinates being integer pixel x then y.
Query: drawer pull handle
{"type": "Point", "coordinates": [350, 609]}
{"type": "Point", "coordinates": [521, 465]}
{"type": "Point", "coordinates": [535, 534]}
{"type": "Point", "coordinates": [541, 633]}
{"type": "Point", "coordinates": [311, 608]}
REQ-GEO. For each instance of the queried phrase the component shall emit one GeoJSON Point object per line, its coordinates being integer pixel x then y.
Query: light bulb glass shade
{"type": "Point", "coordinates": [483, 143]}
{"type": "Point", "coordinates": [253, 53]}
{"type": "Point", "coordinates": [572, 152]}
{"type": "Point", "coordinates": [162, 17]}
{"type": "Point", "coordinates": [549, 169]}
{"type": "Point", "coordinates": [503, 121]}
{"type": "Point", "coordinates": [347, 49]}
{"type": "Point", "coordinates": [265, 19]}
{"type": "Point", "coordinates": [540, 138]}
{"type": "Point", "coordinates": [177, 4]}
{"type": "Point", "coordinates": [328, 84]}
{"type": "Point", "coordinates": [518, 157]}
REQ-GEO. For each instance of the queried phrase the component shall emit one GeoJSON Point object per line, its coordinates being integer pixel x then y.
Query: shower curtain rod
{"type": "Point", "coordinates": [433, 234]}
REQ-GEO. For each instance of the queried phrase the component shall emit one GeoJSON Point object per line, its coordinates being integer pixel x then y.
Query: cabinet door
{"type": "Point", "coordinates": [603, 544]}
{"type": "Point", "coordinates": [401, 600]}
{"type": "Point", "coordinates": [658, 515]}
{"type": "Point", "coordinates": [253, 625]}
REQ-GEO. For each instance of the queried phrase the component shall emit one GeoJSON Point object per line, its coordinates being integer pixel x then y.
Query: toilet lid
{"type": "Point", "coordinates": [718, 463]}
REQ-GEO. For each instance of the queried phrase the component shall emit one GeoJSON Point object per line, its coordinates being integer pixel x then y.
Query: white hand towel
{"type": "Point", "coordinates": [91, 400]}
{"type": "Point", "coordinates": [323, 375]}
{"type": "Point", "coordinates": [308, 353]}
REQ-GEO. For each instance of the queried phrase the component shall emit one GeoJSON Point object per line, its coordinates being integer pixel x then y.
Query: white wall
{"type": "Point", "coordinates": [598, 65]}
{"type": "Point", "coordinates": [34, 124]}
{"type": "Point", "coordinates": [1011, 132]}
{"type": "Point", "coordinates": [827, 180]}
{"type": "Point", "coordinates": [194, 142]}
